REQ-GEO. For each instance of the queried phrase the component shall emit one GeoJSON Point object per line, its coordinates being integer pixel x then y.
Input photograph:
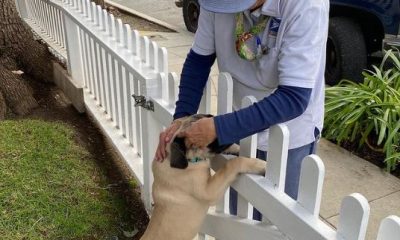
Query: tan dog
{"type": "Point", "coordinates": [184, 188]}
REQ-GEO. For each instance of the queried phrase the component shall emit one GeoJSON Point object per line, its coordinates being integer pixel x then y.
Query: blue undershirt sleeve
{"type": "Point", "coordinates": [195, 72]}
{"type": "Point", "coordinates": [284, 104]}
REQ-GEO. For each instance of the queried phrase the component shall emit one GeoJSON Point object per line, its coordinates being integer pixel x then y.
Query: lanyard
{"type": "Point", "coordinates": [245, 39]}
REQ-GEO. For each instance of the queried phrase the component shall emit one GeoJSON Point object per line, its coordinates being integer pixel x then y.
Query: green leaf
{"type": "Point", "coordinates": [383, 126]}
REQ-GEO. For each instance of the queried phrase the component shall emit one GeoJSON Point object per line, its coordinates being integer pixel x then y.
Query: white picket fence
{"type": "Point", "coordinates": [112, 62]}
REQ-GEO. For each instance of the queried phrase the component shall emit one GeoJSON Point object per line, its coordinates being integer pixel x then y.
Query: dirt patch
{"type": "Point", "coordinates": [54, 106]}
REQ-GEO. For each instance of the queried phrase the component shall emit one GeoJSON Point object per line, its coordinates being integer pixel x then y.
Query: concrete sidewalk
{"type": "Point", "coordinates": [345, 172]}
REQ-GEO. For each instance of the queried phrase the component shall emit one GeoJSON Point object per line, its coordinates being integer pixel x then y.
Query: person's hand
{"type": "Point", "coordinates": [165, 138]}
{"type": "Point", "coordinates": [200, 133]}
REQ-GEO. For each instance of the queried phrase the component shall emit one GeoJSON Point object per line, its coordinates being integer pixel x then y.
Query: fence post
{"type": "Point", "coordinates": [22, 8]}
{"type": "Point", "coordinates": [74, 50]}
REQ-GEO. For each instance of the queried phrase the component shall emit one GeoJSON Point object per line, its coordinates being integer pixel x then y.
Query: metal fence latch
{"type": "Point", "coordinates": [140, 101]}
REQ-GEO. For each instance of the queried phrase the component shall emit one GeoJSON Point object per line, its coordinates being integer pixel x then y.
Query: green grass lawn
{"type": "Point", "coordinates": [50, 188]}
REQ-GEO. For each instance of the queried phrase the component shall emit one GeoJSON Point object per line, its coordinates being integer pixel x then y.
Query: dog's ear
{"type": "Point", "coordinates": [178, 154]}
{"type": "Point", "coordinates": [216, 148]}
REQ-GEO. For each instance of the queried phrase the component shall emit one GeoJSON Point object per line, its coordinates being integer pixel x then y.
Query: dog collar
{"type": "Point", "coordinates": [195, 160]}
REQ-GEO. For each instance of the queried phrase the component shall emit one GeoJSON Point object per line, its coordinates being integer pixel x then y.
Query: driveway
{"type": "Point", "coordinates": [164, 10]}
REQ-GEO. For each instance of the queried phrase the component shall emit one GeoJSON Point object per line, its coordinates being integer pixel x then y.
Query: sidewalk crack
{"type": "Point", "coordinates": [373, 200]}
{"type": "Point", "coordinates": [369, 202]}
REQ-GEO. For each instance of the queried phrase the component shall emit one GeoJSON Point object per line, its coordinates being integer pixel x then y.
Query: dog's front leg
{"type": "Point", "coordinates": [220, 181]}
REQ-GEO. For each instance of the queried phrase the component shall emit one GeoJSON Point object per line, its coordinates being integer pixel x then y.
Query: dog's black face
{"type": "Point", "coordinates": [178, 154]}
{"type": "Point", "coordinates": [178, 157]}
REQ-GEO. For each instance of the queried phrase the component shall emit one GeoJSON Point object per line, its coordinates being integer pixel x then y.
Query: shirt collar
{"type": "Point", "coordinates": [256, 13]}
{"type": "Point", "coordinates": [271, 8]}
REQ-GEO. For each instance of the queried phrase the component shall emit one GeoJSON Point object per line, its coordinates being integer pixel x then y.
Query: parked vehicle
{"type": "Point", "coordinates": [191, 12]}
{"type": "Point", "coordinates": [357, 30]}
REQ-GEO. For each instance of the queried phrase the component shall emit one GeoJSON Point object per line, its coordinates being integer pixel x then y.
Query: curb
{"type": "Point", "coordinates": [144, 16]}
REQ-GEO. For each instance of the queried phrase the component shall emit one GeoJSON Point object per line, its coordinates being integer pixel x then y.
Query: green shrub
{"type": "Point", "coordinates": [368, 112]}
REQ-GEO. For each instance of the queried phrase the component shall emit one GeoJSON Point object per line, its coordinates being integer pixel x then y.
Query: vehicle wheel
{"type": "Point", "coordinates": [346, 52]}
{"type": "Point", "coordinates": [191, 13]}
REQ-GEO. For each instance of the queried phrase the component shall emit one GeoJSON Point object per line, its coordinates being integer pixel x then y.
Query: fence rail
{"type": "Point", "coordinates": [112, 62]}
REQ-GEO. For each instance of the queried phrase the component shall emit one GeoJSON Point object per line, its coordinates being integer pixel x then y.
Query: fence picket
{"type": "Point", "coordinates": [117, 27]}
{"type": "Point", "coordinates": [126, 30]}
{"type": "Point", "coordinates": [23, 9]}
{"type": "Point", "coordinates": [353, 217]}
{"type": "Point", "coordinates": [92, 44]}
{"type": "Point", "coordinates": [310, 185]}
{"type": "Point", "coordinates": [89, 10]}
{"type": "Point", "coordinates": [104, 79]}
{"type": "Point", "coordinates": [111, 27]}
{"type": "Point", "coordinates": [84, 58]}
{"type": "Point", "coordinates": [108, 84]}
{"type": "Point", "coordinates": [277, 156]}
{"type": "Point", "coordinates": [100, 78]}
{"type": "Point", "coordinates": [173, 88]}
{"type": "Point", "coordinates": [248, 148]}
{"type": "Point", "coordinates": [205, 103]}
{"type": "Point", "coordinates": [122, 80]}
{"type": "Point", "coordinates": [118, 78]}
{"type": "Point", "coordinates": [389, 228]}
{"type": "Point", "coordinates": [224, 105]}
{"type": "Point", "coordinates": [80, 6]}
{"type": "Point", "coordinates": [113, 89]}
{"type": "Point", "coordinates": [104, 22]}
{"type": "Point", "coordinates": [45, 19]}
{"type": "Point", "coordinates": [144, 49]}
{"type": "Point", "coordinates": [129, 113]}
{"type": "Point", "coordinates": [92, 10]}
{"type": "Point", "coordinates": [86, 8]}
{"type": "Point", "coordinates": [153, 62]}
{"type": "Point", "coordinates": [138, 129]}
{"type": "Point", "coordinates": [53, 24]}
{"type": "Point", "coordinates": [136, 44]}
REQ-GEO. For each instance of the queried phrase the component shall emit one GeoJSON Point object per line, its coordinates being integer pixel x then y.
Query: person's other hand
{"type": "Point", "coordinates": [165, 138]}
{"type": "Point", "coordinates": [200, 133]}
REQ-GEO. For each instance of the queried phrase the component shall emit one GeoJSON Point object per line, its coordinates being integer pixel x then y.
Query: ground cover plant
{"type": "Point", "coordinates": [51, 189]}
{"type": "Point", "coordinates": [369, 112]}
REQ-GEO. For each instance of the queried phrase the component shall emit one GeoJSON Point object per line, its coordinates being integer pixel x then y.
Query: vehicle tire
{"type": "Point", "coordinates": [346, 52]}
{"type": "Point", "coordinates": [191, 13]}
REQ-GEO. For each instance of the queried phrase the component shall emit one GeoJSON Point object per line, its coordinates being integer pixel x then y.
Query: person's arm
{"type": "Point", "coordinates": [283, 105]}
{"type": "Point", "coordinates": [194, 77]}
{"type": "Point", "coordinates": [197, 66]}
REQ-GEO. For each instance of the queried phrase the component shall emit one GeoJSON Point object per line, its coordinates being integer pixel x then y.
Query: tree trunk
{"type": "Point", "coordinates": [18, 50]}
{"type": "Point", "coordinates": [3, 107]}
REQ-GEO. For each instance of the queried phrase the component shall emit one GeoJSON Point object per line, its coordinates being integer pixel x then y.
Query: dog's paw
{"type": "Point", "coordinates": [232, 150]}
{"type": "Point", "coordinates": [251, 165]}
{"type": "Point", "coordinates": [259, 167]}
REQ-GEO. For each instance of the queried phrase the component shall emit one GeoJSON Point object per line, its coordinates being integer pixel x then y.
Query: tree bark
{"type": "Point", "coordinates": [18, 50]}
{"type": "Point", "coordinates": [3, 107]}
{"type": "Point", "coordinates": [18, 95]}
